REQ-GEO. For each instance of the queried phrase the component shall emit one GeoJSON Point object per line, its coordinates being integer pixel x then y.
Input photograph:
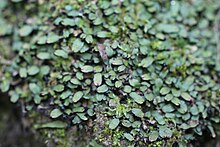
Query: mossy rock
{"type": "Point", "coordinates": [129, 72]}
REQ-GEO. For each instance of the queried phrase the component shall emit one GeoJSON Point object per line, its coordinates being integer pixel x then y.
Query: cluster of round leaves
{"type": "Point", "coordinates": [149, 65]}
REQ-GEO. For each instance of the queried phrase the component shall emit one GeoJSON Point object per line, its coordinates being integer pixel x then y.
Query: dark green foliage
{"type": "Point", "coordinates": [149, 65]}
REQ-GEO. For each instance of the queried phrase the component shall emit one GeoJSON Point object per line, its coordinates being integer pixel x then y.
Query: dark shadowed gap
{"type": "Point", "coordinates": [12, 131]}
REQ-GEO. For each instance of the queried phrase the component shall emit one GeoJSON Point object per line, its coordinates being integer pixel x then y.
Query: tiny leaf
{"type": "Point", "coordinates": [97, 79]}
{"type": "Point", "coordinates": [114, 123]}
{"type": "Point", "coordinates": [87, 69]}
{"type": "Point", "coordinates": [186, 96]}
{"type": "Point", "coordinates": [137, 112]}
{"type": "Point", "coordinates": [33, 70]}
{"type": "Point", "coordinates": [77, 96]}
{"type": "Point", "coordinates": [61, 53]}
{"type": "Point", "coordinates": [153, 136]}
{"type": "Point", "coordinates": [128, 136]}
{"type": "Point", "coordinates": [137, 98]}
{"type": "Point", "coordinates": [55, 113]}
{"type": "Point", "coordinates": [102, 89]}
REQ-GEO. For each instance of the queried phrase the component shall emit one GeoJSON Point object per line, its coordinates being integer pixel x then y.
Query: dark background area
{"type": "Point", "coordinates": [12, 130]}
